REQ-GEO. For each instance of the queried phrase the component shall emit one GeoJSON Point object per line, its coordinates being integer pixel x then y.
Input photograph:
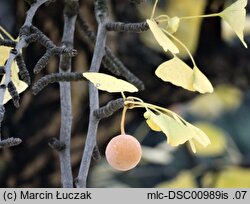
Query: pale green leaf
{"type": "Point", "coordinates": [200, 82]}
{"type": "Point", "coordinates": [218, 143]}
{"type": "Point", "coordinates": [109, 83]}
{"type": "Point", "coordinates": [151, 123]}
{"type": "Point", "coordinates": [177, 130]}
{"type": "Point", "coordinates": [177, 133]}
{"type": "Point", "coordinates": [161, 37]}
{"type": "Point", "coordinates": [176, 72]}
{"type": "Point", "coordinates": [189, 30]}
{"type": "Point", "coordinates": [235, 16]}
{"type": "Point", "coordinates": [173, 24]}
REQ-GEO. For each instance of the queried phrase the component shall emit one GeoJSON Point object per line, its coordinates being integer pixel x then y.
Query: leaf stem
{"type": "Point", "coordinates": [200, 16]}
{"type": "Point", "coordinates": [182, 44]}
{"type": "Point", "coordinates": [153, 11]}
{"type": "Point", "coordinates": [162, 17]}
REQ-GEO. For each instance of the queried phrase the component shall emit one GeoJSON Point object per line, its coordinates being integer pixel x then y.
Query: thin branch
{"type": "Point", "coordinates": [65, 92]}
{"type": "Point", "coordinates": [2, 111]}
{"type": "Point", "coordinates": [86, 29]}
{"type": "Point", "coordinates": [14, 94]}
{"type": "Point", "coordinates": [110, 61]}
{"type": "Point", "coordinates": [9, 142]}
{"type": "Point", "coordinates": [19, 45]}
{"type": "Point", "coordinates": [127, 27]}
{"type": "Point", "coordinates": [7, 42]}
{"type": "Point", "coordinates": [33, 8]}
{"type": "Point", "coordinates": [118, 66]}
{"type": "Point", "coordinates": [56, 77]}
{"type": "Point", "coordinates": [56, 144]}
{"type": "Point", "coordinates": [99, 51]}
{"type": "Point", "coordinates": [52, 49]}
{"type": "Point", "coordinates": [96, 154]}
{"type": "Point", "coordinates": [109, 109]}
{"type": "Point", "coordinates": [23, 72]}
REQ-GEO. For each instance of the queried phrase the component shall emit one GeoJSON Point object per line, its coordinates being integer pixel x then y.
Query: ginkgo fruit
{"type": "Point", "coordinates": [123, 152]}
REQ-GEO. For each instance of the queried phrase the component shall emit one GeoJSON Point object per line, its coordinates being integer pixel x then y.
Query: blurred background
{"type": "Point", "coordinates": [223, 115]}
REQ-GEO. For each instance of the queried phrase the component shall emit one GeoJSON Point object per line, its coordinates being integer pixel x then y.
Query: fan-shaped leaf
{"type": "Point", "coordinates": [176, 72]}
{"type": "Point", "coordinates": [200, 82]}
{"type": "Point", "coordinates": [235, 16]}
{"type": "Point", "coordinates": [109, 83]}
{"type": "Point", "coordinates": [161, 38]}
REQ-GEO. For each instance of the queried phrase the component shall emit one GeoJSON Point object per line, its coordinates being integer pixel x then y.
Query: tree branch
{"type": "Point", "coordinates": [127, 27]}
{"type": "Point", "coordinates": [56, 77]}
{"type": "Point", "coordinates": [65, 96]}
{"type": "Point", "coordinates": [13, 54]}
{"type": "Point", "coordinates": [109, 109]}
{"type": "Point", "coordinates": [99, 51]}
{"type": "Point", "coordinates": [110, 61]}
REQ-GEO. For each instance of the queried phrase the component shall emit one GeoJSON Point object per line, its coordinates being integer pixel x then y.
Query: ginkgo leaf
{"type": "Point", "coordinates": [173, 24]}
{"type": "Point", "coordinates": [200, 138]}
{"type": "Point", "coordinates": [180, 74]}
{"type": "Point", "coordinates": [109, 83]}
{"type": "Point", "coordinates": [189, 30]}
{"type": "Point", "coordinates": [217, 137]}
{"type": "Point", "coordinates": [161, 37]}
{"type": "Point", "coordinates": [176, 132]}
{"type": "Point", "coordinates": [4, 54]}
{"type": "Point", "coordinates": [200, 82]}
{"type": "Point", "coordinates": [176, 72]}
{"type": "Point", "coordinates": [235, 16]}
{"type": "Point", "coordinates": [151, 123]}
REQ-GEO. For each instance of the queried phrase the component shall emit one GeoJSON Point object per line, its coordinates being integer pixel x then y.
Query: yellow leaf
{"type": "Point", "coordinates": [200, 82]}
{"type": "Point", "coordinates": [235, 16]}
{"type": "Point", "coordinates": [173, 24]}
{"type": "Point", "coordinates": [184, 179]}
{"type": "Point", "coordinates": [189, 30]}
{"type": "Point", "coordinates": [151, 123]}
{"type": "Point", "coordinates": [109, 83]}
{"type": "Point", "coordinates": [176, 72]}
{"type": "Point", "coordinates": [200, 139]}
{"type": "Point", "coordinates": [161, 38]}
{"type": "Point", "coordinates": [177, 130]}
{"type": "Point", "coordinates": [217, 137]}
{"type": "Point", "coordinates": [4, 54]}
{"type": "Point", "coordinates": [177, 133]}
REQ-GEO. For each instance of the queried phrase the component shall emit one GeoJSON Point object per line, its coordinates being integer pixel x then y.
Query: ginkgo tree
{"type": "Point", "coordinates": [123, 151]}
